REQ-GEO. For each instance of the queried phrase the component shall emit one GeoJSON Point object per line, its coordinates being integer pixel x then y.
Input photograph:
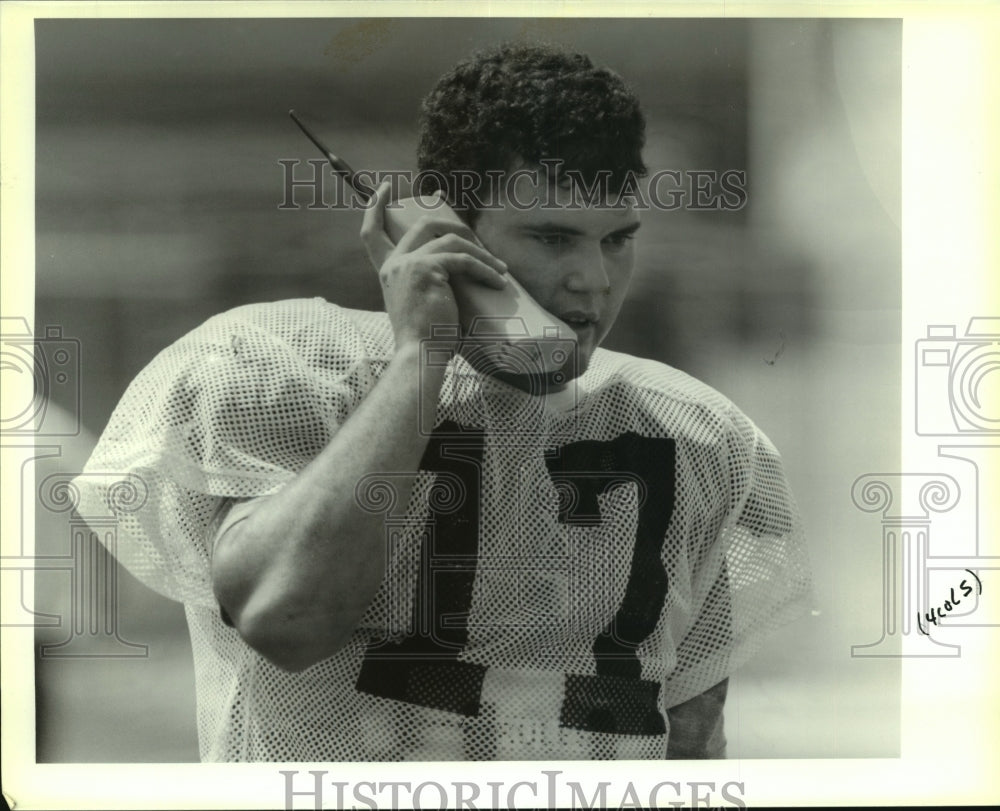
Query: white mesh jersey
{"type": "Point", "coordinates": [566, 570]}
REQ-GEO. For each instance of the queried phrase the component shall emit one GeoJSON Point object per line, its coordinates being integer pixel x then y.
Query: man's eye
{"type": "Point", "coordinates": [618, 240]}
{"type": "Point", "coordinates": [552, 240]}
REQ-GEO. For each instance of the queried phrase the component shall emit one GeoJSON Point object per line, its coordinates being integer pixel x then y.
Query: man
{"type": "Point", "coordinates": [389, 553]}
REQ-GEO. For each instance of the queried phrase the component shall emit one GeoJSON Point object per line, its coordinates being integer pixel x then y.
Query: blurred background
{"type": "Point", "coordinates": [157, 205]}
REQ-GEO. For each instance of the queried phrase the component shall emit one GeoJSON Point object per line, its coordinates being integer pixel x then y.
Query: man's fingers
{"type": "Point", "coordinates": [456, 243]}
{"type": "Point", "coordinates": [376, 241]}
{"type": "Point", "coordinates": [461, 265]}
{"type": "Point", "coordinates": [431, 225]}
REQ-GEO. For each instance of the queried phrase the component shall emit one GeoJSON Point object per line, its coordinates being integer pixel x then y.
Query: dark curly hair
{"type": "Point", "coordinates": [529, 103]}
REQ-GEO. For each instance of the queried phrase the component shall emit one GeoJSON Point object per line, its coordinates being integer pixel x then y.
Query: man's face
{"type": "Point", "coordinates": [574, 259]}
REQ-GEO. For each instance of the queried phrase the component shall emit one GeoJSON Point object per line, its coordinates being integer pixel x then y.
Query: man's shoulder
{"type": "Point", "coordinates": [676, 401]}
{"type": "Point", "coordinates": [308, 325]}
{"type": "Point", "coordinates": [263, 357]}
{"type": "Point", "coordinates": [653, 380]}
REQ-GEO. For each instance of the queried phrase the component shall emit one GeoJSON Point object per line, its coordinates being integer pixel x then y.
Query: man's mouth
{"type": "Point", "coordinates": [579, 319]}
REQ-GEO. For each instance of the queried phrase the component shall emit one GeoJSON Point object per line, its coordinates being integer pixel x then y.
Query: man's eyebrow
{"type": "Point", "coordinates": [553, 228]}
{"type": "Point", "coordinates": [572, 231]}
{"type": "Point", "coordinates": [627, 230]}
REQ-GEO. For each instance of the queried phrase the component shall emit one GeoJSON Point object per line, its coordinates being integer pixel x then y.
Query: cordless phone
{"type": "Point", "coordinates": [508, 323]}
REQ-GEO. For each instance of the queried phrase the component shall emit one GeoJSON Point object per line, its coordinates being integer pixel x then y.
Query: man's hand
{"type": "Point", "coordinates": [697, 727]}
{"type": "Point", "coordinates": [416, 274]}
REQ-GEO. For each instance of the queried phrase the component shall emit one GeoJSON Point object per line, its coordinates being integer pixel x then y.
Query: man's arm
{"type": "Point", "coordinates": [297, 574]}
{"type": "Point", "coordinates": [696, 726]}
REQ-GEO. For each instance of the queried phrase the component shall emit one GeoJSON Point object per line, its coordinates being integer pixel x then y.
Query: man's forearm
{"type": "Point", "coordinates": [299, 572]}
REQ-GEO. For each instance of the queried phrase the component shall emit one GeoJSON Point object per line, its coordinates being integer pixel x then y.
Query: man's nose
{"type": "Point", "coordinates": [586, 272]}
